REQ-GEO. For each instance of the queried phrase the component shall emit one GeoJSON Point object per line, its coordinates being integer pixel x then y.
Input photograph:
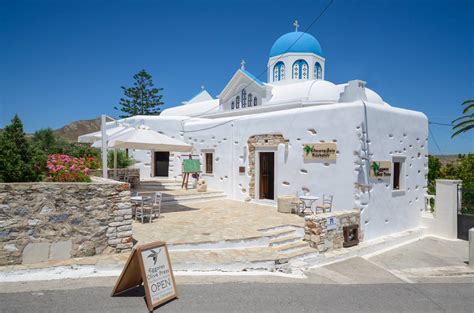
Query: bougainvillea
{"type": "Point", "coordinates": [64, 168]}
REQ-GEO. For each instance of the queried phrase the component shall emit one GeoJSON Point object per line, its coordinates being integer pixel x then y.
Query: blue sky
{"type": "Point", "coordinates": [61, 61]}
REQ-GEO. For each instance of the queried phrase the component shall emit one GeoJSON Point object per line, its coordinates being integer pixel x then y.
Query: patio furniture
{"type": "Point", "coordinates": [150, 206]}
{"type": "Point", "coordinates": [307, 203]}
{"type": "Point", "coordinates": [326, 205]}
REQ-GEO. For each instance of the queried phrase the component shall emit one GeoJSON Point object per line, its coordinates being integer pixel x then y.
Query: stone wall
{"type": "Point", "coordinates": [50, 221]}
{"type": "Point", "coordinates": [265, 140]}
{"type": "Point", "coordinates": [324, 240]}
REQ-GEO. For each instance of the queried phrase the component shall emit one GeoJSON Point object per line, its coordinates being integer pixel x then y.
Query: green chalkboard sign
{"type": "Point", "coordinates": [191, 166]}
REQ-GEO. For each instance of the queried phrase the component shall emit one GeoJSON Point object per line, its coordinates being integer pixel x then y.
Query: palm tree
{"type": "Point", "coordinates": [465, 122]}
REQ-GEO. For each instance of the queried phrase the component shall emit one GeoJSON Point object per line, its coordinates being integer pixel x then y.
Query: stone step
{"type": "Point", "coordinates": [195, 198]}
{"type": "Point", "coordinates": [298, 255]}
{"type": "Point", "coordinates": [179, 197]}
{"type": "Point", "coordinates": [292, 247]}
{"type": "Point", "coordinates": [277, 242]}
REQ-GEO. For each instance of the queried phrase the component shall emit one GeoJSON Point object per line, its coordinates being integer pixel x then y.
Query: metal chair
{"type": "Point", "coordinates": [326, 205]}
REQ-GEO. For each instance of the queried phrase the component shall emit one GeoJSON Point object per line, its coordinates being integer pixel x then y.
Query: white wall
{"type": "Point", "coordinates": [391, 132]}
{"type": "Point", "coordinates": [444, 221]}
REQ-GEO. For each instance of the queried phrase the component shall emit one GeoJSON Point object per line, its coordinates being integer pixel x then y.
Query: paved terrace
{"type": "Point", "coordinates": [212, 221]}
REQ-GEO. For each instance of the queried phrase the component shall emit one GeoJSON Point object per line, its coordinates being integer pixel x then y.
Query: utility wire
{"type": "Point", "coordinates": [434, 139]}
{"type": "Point", "coordinates": [254, 80]}
{"type": "Point", "coordinates": [441, 124]}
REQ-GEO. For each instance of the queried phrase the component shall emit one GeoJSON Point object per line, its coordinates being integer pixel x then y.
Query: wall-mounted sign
{"type": "Point", "coordinates": [151, 265]}
{"type": "Point", "coordinates": [331, 223]}
{"type": "Point", "coordinates": [320, 151]}
{"type": "Point", "coordinates": [380, 169]}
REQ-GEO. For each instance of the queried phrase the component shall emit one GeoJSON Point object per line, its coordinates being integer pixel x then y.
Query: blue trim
{"type": "Point", "coordinates": [319, 70]}
{"type": "Point", "coordinates": [300, 63]}
{"type": "Point", "coordinates": [296, 42]}
{"type": "Point", "coordinates": [251, 76]}
{"type": "Point", "coordinates": [279, 64]}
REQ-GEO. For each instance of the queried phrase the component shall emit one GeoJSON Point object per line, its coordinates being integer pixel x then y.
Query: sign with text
{"type": "Point", "coordinates": [320, 151]}
{"type": "Point", "coordinates": [380, 169]}
{"type": "Point", "coordinates": [331, 223]}
{"type": "Point", "coordinates": [151, 265]}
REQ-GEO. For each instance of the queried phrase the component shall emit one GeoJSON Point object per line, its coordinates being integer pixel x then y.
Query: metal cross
{"type": "Point", "coordinates": [242, 65]}
{"type": "Point", "coordinates": [202, 87]}
{"type": "Point", "coordinates": [296, 25]}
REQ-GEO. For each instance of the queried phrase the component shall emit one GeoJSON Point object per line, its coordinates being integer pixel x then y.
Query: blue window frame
{"type": "Point", "coordinates": [300, 69]}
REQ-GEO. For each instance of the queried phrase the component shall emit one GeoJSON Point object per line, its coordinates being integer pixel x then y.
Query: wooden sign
{"type": "Point", "coordinates": [191, 166]}
{"type": "Point", "coordinates": [380, 169]}
{"type": "Point", "coordinates": [320, 151]}
{"type": "Point", "coordinates": [149, 264]}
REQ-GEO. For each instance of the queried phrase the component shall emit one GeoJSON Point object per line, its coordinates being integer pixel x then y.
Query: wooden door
{"type": "Point", "coordinates": [267, 175]}
{"type": "Point", "coordinates": [162, 163]}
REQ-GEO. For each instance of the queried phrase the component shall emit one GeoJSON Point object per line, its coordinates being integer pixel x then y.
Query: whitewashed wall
{"type": "Point", "coordinates": [391, 132]}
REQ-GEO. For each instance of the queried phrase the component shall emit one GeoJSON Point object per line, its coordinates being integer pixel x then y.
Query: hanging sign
{"type": "Point", "coordinates": [380, 169]}
{"type": "Point", "coordinates": [320, 151]}
{"type": "Point", "coordinates": [149, 264]}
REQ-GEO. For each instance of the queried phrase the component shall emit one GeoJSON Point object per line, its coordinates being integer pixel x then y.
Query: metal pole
{"type": "Point", "coordinates": [115, 164]}
{"type": "Point", "coordinates": [104, 145]}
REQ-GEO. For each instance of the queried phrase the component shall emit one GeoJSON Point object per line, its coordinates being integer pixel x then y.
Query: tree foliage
{"type": "Point", "coordinates": [141, 99]}
{"type": "Point", "coordinates": [465, 122]}
{"type": "Point", "coordinates": [123, 160]}
{"type": "Point", "coordinates": [18, 160]}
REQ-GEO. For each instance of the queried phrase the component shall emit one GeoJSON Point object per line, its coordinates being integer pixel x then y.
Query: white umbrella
{"type": "Point", "coordinates": [92, 137]}
{"type": "Point", "coordinates": [143, 138]}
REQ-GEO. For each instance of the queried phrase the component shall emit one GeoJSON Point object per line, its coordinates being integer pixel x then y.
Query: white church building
{"type": "Point", "coordinates": [299, 133]}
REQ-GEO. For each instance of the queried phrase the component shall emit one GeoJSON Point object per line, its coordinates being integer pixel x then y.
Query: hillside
{"type": "Point", "coordinates": [75, 129]}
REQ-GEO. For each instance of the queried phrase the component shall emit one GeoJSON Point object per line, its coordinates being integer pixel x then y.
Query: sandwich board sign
{"type": "Point", "coordinates": [149, 264]}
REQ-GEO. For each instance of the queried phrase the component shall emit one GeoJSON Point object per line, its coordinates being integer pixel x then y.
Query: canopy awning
{"type": "Point", "coordinates": [145, 139]}
{"type": "Point", "coordinates": [92, 137]}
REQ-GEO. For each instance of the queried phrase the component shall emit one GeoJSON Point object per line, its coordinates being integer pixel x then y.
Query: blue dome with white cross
{"type": "Point", "coordinates": [298, 42]}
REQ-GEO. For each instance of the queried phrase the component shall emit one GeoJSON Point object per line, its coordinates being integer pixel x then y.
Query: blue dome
{"type": "Point", "coordinates": [292, 42]}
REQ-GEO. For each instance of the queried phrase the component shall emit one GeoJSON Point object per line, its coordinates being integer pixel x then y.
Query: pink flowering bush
{"type": "Point", "coordinates": [64, 168]}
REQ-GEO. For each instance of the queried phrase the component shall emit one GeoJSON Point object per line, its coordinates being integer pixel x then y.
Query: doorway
{"type": "Point", "coordinates": [267, 175]}
{"type": "Point", "coordinates": [162, 163]}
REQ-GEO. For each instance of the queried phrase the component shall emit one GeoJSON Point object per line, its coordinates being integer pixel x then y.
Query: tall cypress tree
{"type": "Point", "coordinates": [141, 99]}
{"type": "Point", "coordinates": [16, 158]}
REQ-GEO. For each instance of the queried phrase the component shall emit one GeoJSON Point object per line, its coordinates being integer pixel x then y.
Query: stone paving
{"type": "Point", "coordinates": [212, 221]}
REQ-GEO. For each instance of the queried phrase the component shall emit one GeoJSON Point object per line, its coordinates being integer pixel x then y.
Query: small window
{"type": "Point", "coordinates": [255, 101]}
{"type": "Point", "coordinates": [237, 102]}
{"type": "Point", "coordinates": [250, 100]}
{"type": "Point", "coordinates": [398, 174]}
{"type": "Point", "coordinates": [242, 170]}
{"type": "Point", "coordinates": [232, 105]}
{"type": "Point", "coordinates": [318, 71]}
{"type": "Point", "coordinates": [244, 98]}
{"type": "Point", "coordinates": [209, 162]}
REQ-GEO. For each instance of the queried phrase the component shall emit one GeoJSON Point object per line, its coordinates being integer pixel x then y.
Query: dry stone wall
{"type": "Point", "coordinates": [47, 221]}
{"type": "Point", "coordinates": [323, 239]}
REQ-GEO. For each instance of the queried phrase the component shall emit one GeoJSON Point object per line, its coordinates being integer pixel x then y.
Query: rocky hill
{"type": "Point", "coordinates": [75, 129]}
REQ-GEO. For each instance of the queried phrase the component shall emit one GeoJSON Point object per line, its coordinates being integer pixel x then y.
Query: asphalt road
{"type": "Point", "coordinates": [256, 297]}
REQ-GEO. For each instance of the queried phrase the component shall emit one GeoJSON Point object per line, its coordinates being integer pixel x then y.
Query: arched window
{"type": "Point", "coordinates": [250, 100]}
{"type": "Point", "coordinates": [300, 69]}
{"type": "Point", "coordinates": [237, 102]}
{"type": "Point", "coordinates": [254, 101]}
{"type": "Point", "coordinates": [232, 105]}
{"type": "Point", "coordinates": [279, 71]}
{"type": "Point", "coordinates": [318, 71]}
{"type": "Point", "coordinates": [244, 98]}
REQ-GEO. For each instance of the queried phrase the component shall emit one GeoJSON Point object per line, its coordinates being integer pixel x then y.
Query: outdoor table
{"type": "Point", "coordinates": [308, 202]}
